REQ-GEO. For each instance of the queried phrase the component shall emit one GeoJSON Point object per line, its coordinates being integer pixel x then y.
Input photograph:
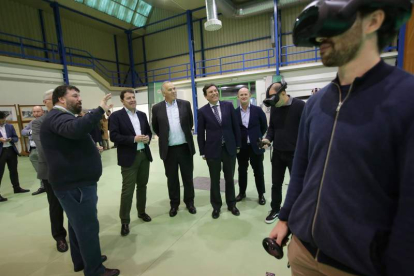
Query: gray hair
{"type": "Point", "coordinates": [47, 94]}
{"type": "Point", "coordinates": [162, 86]}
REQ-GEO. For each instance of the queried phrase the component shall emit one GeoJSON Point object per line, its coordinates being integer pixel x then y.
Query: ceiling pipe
{"type": "Point", "coordinates": [212, 23]}
{"type": "Point", "coordinates": [228, 9]}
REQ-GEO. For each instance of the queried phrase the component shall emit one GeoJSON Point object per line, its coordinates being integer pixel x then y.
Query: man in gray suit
{"type": "Point", "coordinates": [27, 132]}
{"type": "Point", "coordinates": [55, 209]}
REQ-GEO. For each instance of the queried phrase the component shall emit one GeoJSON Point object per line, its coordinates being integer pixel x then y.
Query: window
{"type": "Point", "coordinates": [135, 12]}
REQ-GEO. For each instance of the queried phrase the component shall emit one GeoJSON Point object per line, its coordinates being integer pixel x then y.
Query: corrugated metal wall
{"type": "Point", "coordinates": [98, 43]}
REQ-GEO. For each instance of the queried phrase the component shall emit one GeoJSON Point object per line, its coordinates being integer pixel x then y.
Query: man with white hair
{"type": "Point", "coordinates": [27, 132]}
{"type": "Point", "coordinates": [55, 209]}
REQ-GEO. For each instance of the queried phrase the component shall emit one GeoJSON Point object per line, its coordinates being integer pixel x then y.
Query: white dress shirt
{"type": "Point", "coordinates": [4, 134]}
{"type": "Point", "coordinates": [176, 135]}
{"type": "Point", "coordinates": [137, 126]}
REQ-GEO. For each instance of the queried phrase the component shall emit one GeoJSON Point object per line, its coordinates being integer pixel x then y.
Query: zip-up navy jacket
{"type": "Point", "coordinates": [351, 193]}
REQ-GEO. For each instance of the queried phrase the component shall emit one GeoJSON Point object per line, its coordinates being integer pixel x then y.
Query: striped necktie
{"type": "Point", "coordinates": [216, 114]}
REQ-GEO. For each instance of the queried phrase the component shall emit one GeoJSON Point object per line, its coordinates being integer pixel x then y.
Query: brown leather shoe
{"type": "Point", "coordinates": [111, 272]}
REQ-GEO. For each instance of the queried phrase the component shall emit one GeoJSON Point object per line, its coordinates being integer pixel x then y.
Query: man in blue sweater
{"type": "Point", "coordinates": [75, 167]}
{"type": "Point", "coordinates": [350, 200]}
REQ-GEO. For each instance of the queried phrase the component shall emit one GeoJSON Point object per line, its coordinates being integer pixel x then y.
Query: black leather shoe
{"type": "Point", "coordinates": [2, 199]}
{"type": "Point", "coordinates": [240, 197]}
{"type": "Point", "coordinates": [39, 191]}
{"type": "Point", "coordinates": [215, 214]}
{"type": "Point", "coordinates": [191, 209]}
{"type": "Point", "coordinates": [124, 229]}
{"type": "Point", "coordinates": [62, 246]}
{"type": "Point", "coordinates": [234, 211]}
{"type": "Point", "coordinates": [111, 272]}
{"type": "Point", "coordinates": [77, 269]}
{"type": "Point", "coordinates": [173, 211]}
{"type": "Point", "coordinates": [20, 190]}
{"type": "Point", "coordinates": [145, 217]}
{"type": "Point", "coordinates": [262, 200]}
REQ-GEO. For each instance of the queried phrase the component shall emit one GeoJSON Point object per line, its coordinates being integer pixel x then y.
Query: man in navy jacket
{"type": "Point", "coordinates": [253, 125]}
{"type": "Point", "coordinates": [130, 130]}
{"type": "Point", "coordinates": [8, 154]}
{"type": "Point", "coordinates": [218, 136]}
{"type": "Point", "coordinates": [350, 200]}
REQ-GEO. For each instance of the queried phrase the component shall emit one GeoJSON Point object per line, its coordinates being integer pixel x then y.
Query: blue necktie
{"type": "Point", "coordinates": [216, 114]}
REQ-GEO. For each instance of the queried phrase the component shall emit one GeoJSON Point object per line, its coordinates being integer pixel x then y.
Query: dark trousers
{"type": "Point", "coordinates": [256, 161]}
{"type": "Point", "coordinates": [179, 156]}
{"type": "Point", "coordinates": [214, 166]}
{"type": "Point", "coordinates": [280, 160]}
{"type": "Point", "coordinates": [138, 175]}
{"type": "Point", "coordinates": [80, 207]}
{"type": "Point", "coordinates": [55, 213]}
{"type": "Point", "coordinates": [8, 156]}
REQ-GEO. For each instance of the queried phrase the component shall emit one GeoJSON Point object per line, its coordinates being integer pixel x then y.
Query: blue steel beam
{"type": "Point", "coordinates": [117, 60]}
{"type": "Point", "coordinates": [203, 57]}
{"type": "Point", "coordinates": [145, 60]}
{"type": "Point", "coordinates": [131, 58]}
{"type": "Point", "coordinates": [190, 36]}
{"type": "Point", "coordinates": [59, 36]}
{"type": "Point", "coordinates": [42, 27]}
{"type": "Point", "coordinates": [401, 47]}
{"type": "Point", "coordinates": [276, 19]}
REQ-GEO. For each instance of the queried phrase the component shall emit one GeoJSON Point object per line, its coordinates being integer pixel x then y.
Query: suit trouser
{"type": "Point", "coordinates": [280, 161]}
{"type": "Point", "coordinates": [256, 161]}
{"type": "Point", "coordinates": [138, 175]}
{"type": "Point", "coordinates": [80, 207]}
{"type": "Point", "coordinates": [179, 156]}
{"type": "Point", "coordinates": [8, 156]}
{"type": "Point", "coordinates": [34, 158]}
{"type": "Point", "coordinates": [302, 263]}
{"type": "Point", "coordinates": [55, 213]}
{"type": "Point", "coordinates": [214, 166]}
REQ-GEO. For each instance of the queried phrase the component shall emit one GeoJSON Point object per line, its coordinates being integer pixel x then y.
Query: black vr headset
{"type": "Point", "coordinates": [273, 99]}
{"type": "Point", "coordinates": [328, 18]}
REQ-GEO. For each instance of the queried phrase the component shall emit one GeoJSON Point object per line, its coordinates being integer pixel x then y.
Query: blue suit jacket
{"type": "Point", "coordinates": [11, 133]}
{"type": "Point", "coordinates": [122, 132]}
{"type": "Point", "coordinates": [210, 132]}
{"type": "Point", "coordinates": [256, 129]}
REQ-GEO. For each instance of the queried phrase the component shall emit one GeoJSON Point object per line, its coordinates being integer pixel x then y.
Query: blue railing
{"type": "Point", "coordinates": [38, 50]}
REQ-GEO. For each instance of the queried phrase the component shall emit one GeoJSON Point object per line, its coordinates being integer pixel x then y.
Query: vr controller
{"type": "Point", "coordinates": [271, 247]}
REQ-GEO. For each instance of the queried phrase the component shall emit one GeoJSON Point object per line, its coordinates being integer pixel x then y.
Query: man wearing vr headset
{"type": "Point", "coordinates": [283, 132]}
{"type": "Point", "coordinates": [351, 196]}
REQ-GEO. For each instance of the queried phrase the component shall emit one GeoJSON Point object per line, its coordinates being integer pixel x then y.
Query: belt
{"type": "Point", "coordinates": [141, 150]}
{"type": "Point", "coordinates": [180, 145]}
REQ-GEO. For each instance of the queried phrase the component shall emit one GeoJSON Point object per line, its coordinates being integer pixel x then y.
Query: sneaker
{"type": "Point", "coordinates": [273, 215]}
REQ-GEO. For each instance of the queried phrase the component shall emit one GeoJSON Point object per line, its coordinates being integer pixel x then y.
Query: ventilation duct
{"type": "Point", "coordinates": [212, 23]}
{"type": "Point", "coordinates": [228, 9]}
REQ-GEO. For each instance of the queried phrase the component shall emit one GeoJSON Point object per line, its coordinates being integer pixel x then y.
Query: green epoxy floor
{"type": "Point", "coordinates": [186, 245]}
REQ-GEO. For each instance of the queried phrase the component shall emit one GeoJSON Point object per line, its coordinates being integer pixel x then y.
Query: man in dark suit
{"type": "Point", "coordinates": [172, 121]}
{"type": "Point", "coordinates": [219, 141]}
{"type": "Point", "coordinates": [8, 154]}
{"type": "Point", "coordinates": [55, 208]}
{"type": "Point", "coordinates": [253, 126]}
{"type": "Point", "coordinates": [130, 130]}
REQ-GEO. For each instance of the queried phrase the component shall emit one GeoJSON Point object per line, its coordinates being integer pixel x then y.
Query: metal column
{"type": "Point", "coordinates": [42, 27]}
{"type": "Point", "coordinates": [61, 45]}
{"type": "Point", "coordinates": [131, 58]}
{"type": "Point", "coordinates": [190, 36]}
{"type": "Point", "coordinates": [401, 46]}
{"type": "Point", "coordinates": [117, 61]}
{"type": "Point", "coordinates": [145, 61]}
{"type": "Point", "coordinates": [276, 21]}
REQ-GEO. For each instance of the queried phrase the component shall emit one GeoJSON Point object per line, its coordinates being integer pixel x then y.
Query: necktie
{"type": "Point", "coordinates": [216, 114]}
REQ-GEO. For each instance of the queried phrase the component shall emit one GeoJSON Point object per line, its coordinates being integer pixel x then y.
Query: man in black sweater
{"type": "Point", "coordinates": [74, 170]}
{"type": "Point", "coordinates": [283, 132]}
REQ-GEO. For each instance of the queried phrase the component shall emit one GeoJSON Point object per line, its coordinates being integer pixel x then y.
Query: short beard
{"type": "Point", "coordinates": [351, 42]}
{"type": "Point", "coordinates": [75, 109]}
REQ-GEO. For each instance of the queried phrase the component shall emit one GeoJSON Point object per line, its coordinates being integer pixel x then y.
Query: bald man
{"type": "Point", "coordinates": [27, 132]}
